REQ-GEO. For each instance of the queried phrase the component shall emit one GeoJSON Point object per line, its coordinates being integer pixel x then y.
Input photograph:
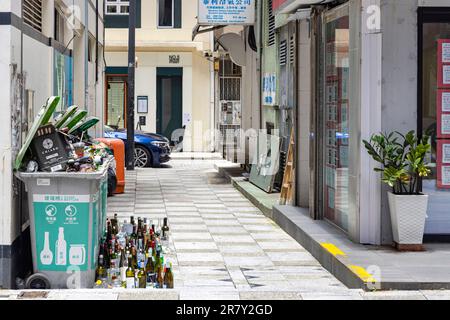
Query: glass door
{"type": "Point", "coordinates": [116, 101]}
{"type": "Point", "coordinates": [334, 117]}
{"type": "Point", "coordinates": [434, 113]}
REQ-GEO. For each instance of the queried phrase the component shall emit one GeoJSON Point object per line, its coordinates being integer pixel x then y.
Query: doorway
{"type": "Point", "coordinates": [116, 101]}
{"type": "Point", "coordinates": [169, 100]}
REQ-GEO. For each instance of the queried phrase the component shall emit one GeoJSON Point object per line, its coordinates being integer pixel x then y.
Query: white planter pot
{"type": "Point", "coordinates": [408, 214]}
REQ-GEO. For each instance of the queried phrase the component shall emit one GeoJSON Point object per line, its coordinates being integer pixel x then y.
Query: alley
{"type": "Point", "coordinates": [222, 247]}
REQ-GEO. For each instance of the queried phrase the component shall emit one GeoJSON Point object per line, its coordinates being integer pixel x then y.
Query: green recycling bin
{"type": "Point", "coordinates": [67, 214]}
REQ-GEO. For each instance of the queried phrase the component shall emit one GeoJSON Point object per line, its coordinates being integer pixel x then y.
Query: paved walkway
{"type": "Point", "coordinates": [222, 247]}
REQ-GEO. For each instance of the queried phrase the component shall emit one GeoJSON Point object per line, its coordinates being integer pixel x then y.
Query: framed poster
{"type": "Point", "coordinates": [142, 104]}
{"type": "Point", "coordinates": [444, 63]}
{"type": "Point", "coordinates": [443, 164]}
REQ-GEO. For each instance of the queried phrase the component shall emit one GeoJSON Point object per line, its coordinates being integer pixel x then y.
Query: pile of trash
{"type": "Point", "coordinates": [61, 144]}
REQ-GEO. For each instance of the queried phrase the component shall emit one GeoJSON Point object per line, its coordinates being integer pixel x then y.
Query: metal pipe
{"type": "Point", "coordinates": [131, 80]}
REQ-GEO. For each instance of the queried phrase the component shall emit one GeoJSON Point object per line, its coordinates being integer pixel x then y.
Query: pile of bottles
{"type": "Point", "coordinates": [132, 256]}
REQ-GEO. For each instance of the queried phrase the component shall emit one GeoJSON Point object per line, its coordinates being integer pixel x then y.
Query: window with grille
{"type": "Point", "coordinates": [32, 13]}
{"type": "Point", "coordinates": [283, 53]}
{"type": "Point", "coordinates": [271, 25]}
{"type": "Point", "coordinates": [117, 7]}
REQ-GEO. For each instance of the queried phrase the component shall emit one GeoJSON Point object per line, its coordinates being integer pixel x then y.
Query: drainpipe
{"type": "Point", "coordinates": [212, 93]}
{"type": "Point", "coordinates": [86, 54]}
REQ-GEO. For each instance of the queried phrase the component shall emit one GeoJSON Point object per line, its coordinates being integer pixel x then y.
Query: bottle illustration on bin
{"type": "Point", "coordinates": [61, 249]}
{"type": "Point", "coordinates": [46, 253]}
{"type": "Point", "coordinates": [77, 252]}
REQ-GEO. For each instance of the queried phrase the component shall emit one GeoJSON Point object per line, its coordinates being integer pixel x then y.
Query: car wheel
{"type": "Point", "coordinates": [142, 157]}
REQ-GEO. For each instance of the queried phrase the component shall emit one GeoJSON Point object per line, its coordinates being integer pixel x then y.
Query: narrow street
{"type": "Point", "coordinates": [222, 246]}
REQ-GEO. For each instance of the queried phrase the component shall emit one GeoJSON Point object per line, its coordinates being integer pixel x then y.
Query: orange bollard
{"type": "Point", "coordinates": [118, 147]}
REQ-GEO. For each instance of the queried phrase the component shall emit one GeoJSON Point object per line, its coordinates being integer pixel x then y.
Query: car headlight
{"type": "Point", "coordinates": [160, 144]}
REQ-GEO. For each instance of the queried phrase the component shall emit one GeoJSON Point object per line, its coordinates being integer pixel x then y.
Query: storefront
{"type": "Point", "coordinates": [434, 112]}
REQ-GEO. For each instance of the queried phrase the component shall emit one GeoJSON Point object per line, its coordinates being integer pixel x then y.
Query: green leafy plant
{"type": "Point", "coordinates": [402, 158]}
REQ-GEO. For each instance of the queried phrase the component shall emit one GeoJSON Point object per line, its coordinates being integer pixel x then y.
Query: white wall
{"type": "Point", "coordinates": [5, 135]}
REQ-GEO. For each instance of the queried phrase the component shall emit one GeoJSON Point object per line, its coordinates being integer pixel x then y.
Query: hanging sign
{"type": "Point", "coordinates": [226, 12]}
{"type": "Point", "coordinates": [443, 114]}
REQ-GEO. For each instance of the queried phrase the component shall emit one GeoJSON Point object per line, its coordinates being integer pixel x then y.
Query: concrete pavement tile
{"type": "Point", "coordinates": [394, 295]}
{"type": "Point", "coordinates": [189, 236]}
{"type": "Point", "coordinates": [206, 246]}
{"type": "Point", "coordinates": [248, 261]}
{"type": "Point", "coordinates": [240, 249]}
{"type": "Point", "coordinates": [330, 296]}
{"type": "Point", "coordinates": [270, 295]}
{"type": "Point", "coordinates": [227, 230]}
{"type": "Point", "coordinates": [436, 294]}
{"type": "Point", "coordinates": [233, 239]}
{"type": "Point", "coordinates": [199, 257]}
{"type": "Point", "coordinates": [221, 222]}
{"type": "Point", "coordinates": [150, 294]}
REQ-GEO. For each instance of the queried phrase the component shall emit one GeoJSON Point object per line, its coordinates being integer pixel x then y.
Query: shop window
{"type": "Point", "coordinates": [32, 14]}
{"type": "Point", "coordinates": [435, 114]}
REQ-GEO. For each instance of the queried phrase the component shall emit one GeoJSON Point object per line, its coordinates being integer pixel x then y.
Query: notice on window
{"type": "Point", "coordinates": [443, 163]}
{"type": "Point", "coordinates": [446, 153]}
{"type": "Point", "coordinates": [445, 101]}
{"type": "Point", "coordinates": [446, 52]}
{"type": "Point", "coordinates": [445, 124]}
{"type": "Point", "coordinates": [445, 178]}
{"type": "Point", "coordinates": [446, 75]}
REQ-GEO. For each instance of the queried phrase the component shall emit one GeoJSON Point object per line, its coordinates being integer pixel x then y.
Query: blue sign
{"type": "Point", "coordinates": [226, 12]}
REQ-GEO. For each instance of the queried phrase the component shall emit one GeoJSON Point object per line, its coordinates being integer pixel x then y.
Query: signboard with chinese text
{"type": "Point", "coordinates": [226, 12]}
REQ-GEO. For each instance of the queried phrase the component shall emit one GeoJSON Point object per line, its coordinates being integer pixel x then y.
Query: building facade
{"type": "Point", "coordinates": [174, 78]}
{"type": "Point", "coordinates": [364, 67]}
{"type": "Point", "coordinates": [49, 47]}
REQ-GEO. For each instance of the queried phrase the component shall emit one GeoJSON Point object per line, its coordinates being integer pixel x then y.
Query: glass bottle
{"type": "Point", "coordinates": [130, 282]}
{"type": "Point", "coordinates": [165, 231]}
{"type": "Point", "coordinates": [101, 270]}
{"type": "Point", "coordinates": [142, 279]}
{"type": "Point", "coordinates": [168, 277]}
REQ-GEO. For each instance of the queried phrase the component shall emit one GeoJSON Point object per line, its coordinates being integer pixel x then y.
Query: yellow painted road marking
{"type": "Point", "coordinates": [363, 274]}
{"type": "Point", "coordinates": [331, 248]}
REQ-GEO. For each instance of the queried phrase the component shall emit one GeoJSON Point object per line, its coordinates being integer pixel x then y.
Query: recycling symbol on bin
{"type": "Point", "coordinates": [70, 211]}
{"type": "Point", "coordinates": [51, 210]}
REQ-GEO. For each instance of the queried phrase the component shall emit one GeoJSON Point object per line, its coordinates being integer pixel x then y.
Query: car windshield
{"type": "Point", "coordinates": [108, 129]}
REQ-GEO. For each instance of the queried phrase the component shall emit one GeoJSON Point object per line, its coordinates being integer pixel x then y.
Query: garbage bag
{"type": "Point", "coordinates": [112, 181]}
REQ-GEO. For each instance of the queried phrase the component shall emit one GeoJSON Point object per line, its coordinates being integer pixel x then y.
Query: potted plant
{"type": "Point", "coordinates": [402, 158]}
